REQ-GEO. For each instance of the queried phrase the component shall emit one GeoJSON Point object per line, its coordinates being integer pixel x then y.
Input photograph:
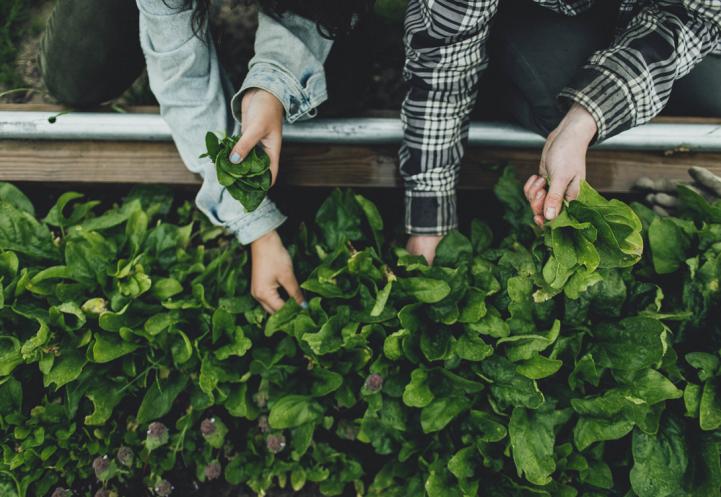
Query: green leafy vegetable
{"type": "Point", "coordinates": [249, 181]}
{"type": "Point", "coordinates": [565, 362]}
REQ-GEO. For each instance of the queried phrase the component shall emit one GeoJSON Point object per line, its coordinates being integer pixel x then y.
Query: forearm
{"type": "Point", "coordinates": [288, 63]}
{"type": "Point", "coordinates": [188, 82]}
{"type": "Point", "coordinates": [629, 83]}
{"type": "Point", "coordinates": [580, 124]}
{"type": "Point", "coordinates": [443, 66]}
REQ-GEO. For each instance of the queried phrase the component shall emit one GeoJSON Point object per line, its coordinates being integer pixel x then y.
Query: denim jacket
{"type": "Point", "coordinates": [194, 94]}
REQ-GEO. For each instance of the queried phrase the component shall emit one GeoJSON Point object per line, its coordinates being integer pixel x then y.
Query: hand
{"type": "Point", "coordinates": [261, 122]}
{"type": "Point", "coordinates": [563, 162]}
{"type": "Point", "coordinates": [272, 269]}
{"type": "Point", "coordinates": [662, 191]}
{"type": "Point", "coordinates": [424, 245]}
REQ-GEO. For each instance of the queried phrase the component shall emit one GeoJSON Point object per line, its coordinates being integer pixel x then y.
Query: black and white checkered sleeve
{"type": "Point", "coordinates": [629, 83]}
{"type": "Point", "coordinates": [445, 54]}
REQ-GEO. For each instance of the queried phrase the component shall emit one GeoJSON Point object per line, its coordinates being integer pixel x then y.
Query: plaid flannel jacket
{"type": "Point", "coordinates": [658, 41]}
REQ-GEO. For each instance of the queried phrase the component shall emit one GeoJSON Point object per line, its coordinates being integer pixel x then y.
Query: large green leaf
{"type": "Point", "coordinates": [441, 411]}
{"type": "Point", "coordinates": [159, 398]}
{"type": "Point", "coordinates": [660, 461]}
{"type": "Point", "coordinates": [294, 410]}
{"type": "Point", "coordinates": [532, 435]}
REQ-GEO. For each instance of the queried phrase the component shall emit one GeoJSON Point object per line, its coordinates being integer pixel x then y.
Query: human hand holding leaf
{"type": "Point", "coordinates": [248, 181]}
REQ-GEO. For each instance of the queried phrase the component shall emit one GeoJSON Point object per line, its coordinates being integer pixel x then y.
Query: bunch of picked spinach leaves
{"type": "Point", "coordinates": [578, 361]}
{"type": "Point", "coordinates": [249, 181]}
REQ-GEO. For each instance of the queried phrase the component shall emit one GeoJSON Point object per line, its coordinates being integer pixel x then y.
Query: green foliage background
{"type": "Point", "coordinates": [580, 361]}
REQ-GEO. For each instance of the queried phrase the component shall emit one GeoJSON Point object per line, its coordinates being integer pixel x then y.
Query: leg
{"type": "Point", "coordinates": [699, 92]}
{"type": "Point", "coordinates": [535, 53]}
{"type": "Point", "coordinates": [90, 51]}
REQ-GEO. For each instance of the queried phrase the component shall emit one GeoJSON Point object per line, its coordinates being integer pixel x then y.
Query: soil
{"type": "Point", "coordinates": [363, 69]}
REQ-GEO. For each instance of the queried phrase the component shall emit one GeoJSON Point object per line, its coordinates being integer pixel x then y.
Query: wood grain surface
{"type": "Point", "coordinates": [314, 165]}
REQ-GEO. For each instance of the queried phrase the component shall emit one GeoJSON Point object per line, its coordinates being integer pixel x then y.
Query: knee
{"type": "Point", "coordinates": [90, 51]}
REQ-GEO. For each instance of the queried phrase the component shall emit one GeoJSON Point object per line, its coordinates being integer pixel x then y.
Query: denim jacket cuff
{"type": "Point", "coordinates": [252, 226]}
{"type": "Point", "coordinates": [299, 100]}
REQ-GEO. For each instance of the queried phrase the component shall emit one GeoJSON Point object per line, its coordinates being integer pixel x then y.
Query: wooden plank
{"type": "Point", "coordinates": [608, 171]}
{"type": "Point", "coordinates": [314, 165]}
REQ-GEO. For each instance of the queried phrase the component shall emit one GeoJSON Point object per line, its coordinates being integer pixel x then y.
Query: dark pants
{"type": "Point", "coordinates": [90, 53]}
{"type": "Point", "coordinates": [536, 52]}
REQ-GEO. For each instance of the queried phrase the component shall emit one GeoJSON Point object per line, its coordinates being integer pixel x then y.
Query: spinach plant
{"type": "Point", "coordinates": [581, 360]}
{"type": "Point", "coordinates": [249, 181]}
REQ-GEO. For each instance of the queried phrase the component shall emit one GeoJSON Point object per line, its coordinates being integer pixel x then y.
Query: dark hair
{"type": "Point", "coordinates": [333, 17]}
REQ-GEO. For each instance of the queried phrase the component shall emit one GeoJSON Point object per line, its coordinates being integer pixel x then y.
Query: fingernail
{"type": "Point", "coordinates": [304, 304]}
{"type": "Point", "coordinates": [539, 194]}
{"type": "Point", "coordinates": [235, 158]}
{"type": "Point", "coordinates": [550, 213]}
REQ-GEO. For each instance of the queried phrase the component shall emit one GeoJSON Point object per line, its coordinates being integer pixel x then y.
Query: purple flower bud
{"type": "Point", "coordinates": [275, 443]}
{"type": "Point", "coordinates": [207, 426]}
{"type": "Point", "coordinates": [157, 429]}
{"type": "Point", "coordinates": [263, 425]}
{"type": "Point", "coordinates": [214, 431]}
{"type": "Point", "coordinates": [213, 470]}
{"type": "Point", "coordinates": [157, 436]}
{"type": "Point", "coordinates": [101, 466]}
{"type": "Point", "coordinates": [125, 456]}
{"type": "Point", "coordinates": [374, 383]}
{"type": "Point", "coordinates": [163, 488]}
{"type": "Point", "coordinates": [61, 492]}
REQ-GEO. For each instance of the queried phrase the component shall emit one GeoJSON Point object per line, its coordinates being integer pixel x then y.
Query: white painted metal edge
{"type": "Point", "coordinates": [33, 125]}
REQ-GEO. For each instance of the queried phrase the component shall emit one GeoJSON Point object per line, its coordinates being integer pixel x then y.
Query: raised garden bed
{"type": "Point", "coordinates": [342, 152]}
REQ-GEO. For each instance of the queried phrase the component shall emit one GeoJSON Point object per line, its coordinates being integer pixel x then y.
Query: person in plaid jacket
{"type": "Point", "coordinates": [576, 71]}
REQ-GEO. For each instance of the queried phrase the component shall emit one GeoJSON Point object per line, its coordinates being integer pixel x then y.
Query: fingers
{"type": "Point", "coordinates": [529, 182]}
{"type": "Point", "coordinates": [556, 194]}
{"type": "Point", "coordinates": [262, 122]}
{"type": "Point", "coordinates": [660, 211]}
{"type": "Point", "coordinates": [644, 183]}
{"type": "Point", "coordinates": [707, 179]}
{"type": "Point", "coordinates": [273, 151]}
{"type": "Point", "coordinates": [535, 192]}
{"type": "Point", "coordinates": [656, 185]}
{"type": "Point", "coordinates": [663, 199]}
{"type": "Point", "coordinates": [269, 299]}
{"type": "Point", "coordinates": [537, 195]}
{"type": "Point", "coordinates": [290, 284]}
{"type": "Point", "coordinates": [424, 245]}
{"type": "Point", "coordinates": [247, 141]}
{"type": "Point", "coordinates": [573, 189]}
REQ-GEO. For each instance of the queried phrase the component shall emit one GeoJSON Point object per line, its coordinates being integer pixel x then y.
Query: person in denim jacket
{"type": "Point", "coordinates": [286, 79]}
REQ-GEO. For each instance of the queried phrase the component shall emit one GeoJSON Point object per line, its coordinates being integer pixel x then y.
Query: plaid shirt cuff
{"type": "Point", "coordinates": [606, 97]}
{"type": "Point", "coordinates": [430, 213]}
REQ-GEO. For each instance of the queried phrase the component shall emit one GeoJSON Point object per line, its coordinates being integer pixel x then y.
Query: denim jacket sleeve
{"type": "Point", "coordinates": [288, 62]}
{"type": "Point", "coordinates": [192, 90]}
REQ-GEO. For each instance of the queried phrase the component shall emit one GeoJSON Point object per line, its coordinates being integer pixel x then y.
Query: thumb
{"type": "Point", "coordinates": [556, 194]}
{"type": "Point", "coordinates": [247, 141]}
{"type": "Point", "coordinates": [290, 284]}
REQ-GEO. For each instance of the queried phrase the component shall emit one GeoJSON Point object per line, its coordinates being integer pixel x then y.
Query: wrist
{"type": "Point", "coordinates": [264, 241]}
{"type": "Point", "coordinates": [579, 122]}
{"type": "Point", "coordinates": [268, 98]}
